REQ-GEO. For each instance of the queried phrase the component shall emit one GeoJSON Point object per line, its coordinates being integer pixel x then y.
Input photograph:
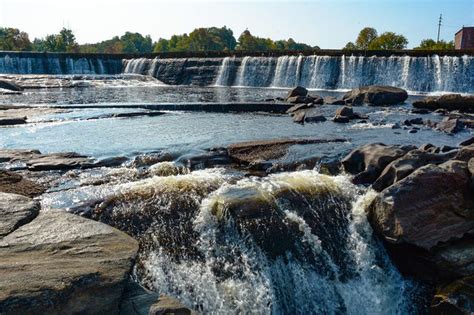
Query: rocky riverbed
{"type": "Point", "coordinates": [314, 216]}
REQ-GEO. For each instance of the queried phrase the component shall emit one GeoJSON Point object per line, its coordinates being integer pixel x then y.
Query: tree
{"type": "Point", "coordinates": [430, 44]}
{"type": "Point", "coordinates": [253, 43]}
{"type": "Point", "coordinates": [350, 46]}
{"type": "Point", "coordinates": [136, 43]}
{"type": "Point", "coordinates": [388, 41]}
{"type": "Point", "coordinates": [13, 39]}
{"type": "Point", "coordinates": [366, 36]}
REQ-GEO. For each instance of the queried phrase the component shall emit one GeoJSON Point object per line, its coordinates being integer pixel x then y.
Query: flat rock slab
{"type": "Point", "coordinates": [11, 121]}
{"type": "Point", "coordinates": [15, 210]}
{"type": "Point", "coordinates": [15, 183]}
{"type": "Point", "coordinates": [64, 264]}
{"type": "Point", "coordinates": [254, 151]}
{"type": "Point", "coordinates": [59, 161]}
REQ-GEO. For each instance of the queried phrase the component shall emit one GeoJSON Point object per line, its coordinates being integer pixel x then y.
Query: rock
{"type": "Point", "coordinates": [367, 162]}
{"type": "Point", "coordinates": [62, 263]}
{"type": "Point", "coordinates": [407, 164]}
{"type": "Point", "coordinates": [412, 131]}
{"type": "Point", "coordinates": [298, 116]}
{"type": "Point", "coordinates": [297, 91]}
{"type": "Point", "coordinates": [151, 158]}
{"type": "Point", "coordinates": [8, 85]}
{"type": "Point", "coordinates": [15, 155]}
{"type": "Point", "coordinates": [449, 102]}
{"type": "Point", "coordinates": [360, 116]}
{"type": "Point", "coordinates": [465, 153]}
{"type": "Point", "coordinates": [420, 111]}
{"type": "Point", "coordinates": [15, 210]}
{"type": "Point", "coordinates": [317, 100]}
{"type": "Point", "coordinates": [376, 95]}
{"type": "Point", "coordinates": [256, 152]}
{"type": "Point", "coordinates": [14, 183]}
{"type": "Point", "coordinates": [298, 107]}
{"type": "Point", "coordinates": [414, 121]}
{"type": "Point", "coordinates": [454, 298]}
{"type": "Point", "coordinates": [330, 100]}
{"type": "Point", "coordinates": [300, 100]}
{"type": "Point", "coordinates": [59, 161]}
{"type": "Point", "coordinates": [111, 162]}
{"type": "Point", "coordinates": [345, 111]}
{"type": "Point", "coordinates": [137, 300]}
{"type": "Point", "coordinates": [312, 116]}
{"type": "Point", "coordinates": [212, 158]}
{"type": "Point", "coordinates": [341, 119]}
{"type": "Point", "coordinates": [450, 125]}
{"type": "Point", "coordinates": [467, 142]}
{"type": "Point", "coordinates": [167, 305]}
{"type": "Point", "coordinates": [423, 209]}
{"type": "Point", "coordinates": [396, 126]}
{"type": "Point", "coordinates": [10, 121]}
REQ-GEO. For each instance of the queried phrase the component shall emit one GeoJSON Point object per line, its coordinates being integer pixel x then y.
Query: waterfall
{"type": "Point", "coordinates": [13, 63]}
{"type": "Point", "coordinates": [417, 74]}
{"type": "Point", "coordinates": [288, 243]}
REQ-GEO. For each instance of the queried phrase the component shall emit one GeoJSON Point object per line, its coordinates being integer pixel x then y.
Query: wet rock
{"type": "Point", "coordinates": [167, 305]}
{"type": "Point", "coordinates": [396, 126]}
{"type": "Point", "coordinates": [8, 85]}
{"type": "Point", "coordinates": [450, 125]}
{"type": "Point", "coordinates": [413, 121]}
{"type": "Point", "coordinates": [137, 300]}
{"type": "Point", "coordinates": [465, 153]}
{"type": "Point", "coordinates": [318, 100]}
{"type": "Point", "coordinates": [300, 99]}
{"type": "Point", "coordinates": [424, 209]}
{"type": "Point", "coordinates": [151, 158]}
{"type": "Point", "coordinates": [345, 111]}
{"type": "Point", "coordinates": [467, 142]}
{"type": "Point", "coordinates": [10, 121]}
{"type": "Point", "coordinates": [330, 100]}
{"type": "Point", "coordinates": [454, 298]}
{"type": "Point", "coordinates": [59, 161]}
{"type": "Point", "coordinates": [297, 91]}
{"type": "Point", "coordinates": [212, 158]}
{"type": "Point", "coordinates": [298, 116]}
{"type": "Point", "coordinates": [376, 95]}
{"type": "Point", "coordinates": [111, 162]}
{"type": "Point", "coordinates": [15, 210]}
{"type": "Point", "coordinates": [308, 115]}
{"type": "Point", "coordinates": [256, 152]}
{"type": "Point", "coordinates": [420, 111]}
{"type": "Point", "coordinates": [14, 155]}
{"type": "Point", "coordinates": [61, 263]}
{"type": "Point", "coordinates": [367, 162]}
{"type": "Point", "coordinates": [298, 107]}
{"type": "Point", "coordinates": [133, 114]}
{"type": "Point", "coordinates": [341, 119]}
{"type": "Point", "coordinates": [449, 102]}
{"type": "Point", "coordinates": [14, 183]}
{"type": "Point", "coordinates": [407, 164]}
{"type": "Point", "coordinates": [412, 131]}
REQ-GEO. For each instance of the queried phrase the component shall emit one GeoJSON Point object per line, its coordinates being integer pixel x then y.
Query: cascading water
{"type": "Point", "coordinates": [418, 74]}
{"type": "Point", "coordinates": [289, 243]}
{"type": "Point", "coordinates": [57, 64]}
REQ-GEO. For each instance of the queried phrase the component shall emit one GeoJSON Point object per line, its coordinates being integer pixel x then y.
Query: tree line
{"type": "Point", "coordinates": [200, 39]}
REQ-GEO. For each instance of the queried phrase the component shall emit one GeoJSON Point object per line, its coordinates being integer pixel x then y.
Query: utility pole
{"type": "Point", "coordinates": [439, 25]}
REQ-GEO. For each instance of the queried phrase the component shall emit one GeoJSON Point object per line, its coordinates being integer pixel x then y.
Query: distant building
{"type": "Point", "coordinates": [464, 38]}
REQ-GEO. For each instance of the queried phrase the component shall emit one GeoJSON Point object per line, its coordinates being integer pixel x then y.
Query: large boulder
{"type": "Point", "coordinates": [426, 208]}
{"type": "Point", "coordinates": [367, 162]}
{"type": "Point", "coordinates": [407, 164]}
{"type": "Point", "coordinates": [450, 125]}
{"type": "Point", "coordinates": [8, 85]}
{"type": "Point", "coordinates": [448, 102]}
{"type": "Point", "coordinates": [64, 264]}
{"type": "Point", "coordinates": [456, 297]}
{"type": "Point", "coordinates": [297, 91]}
{"type": "Point", "coordinates": [376, 95]}
{"type": "Point", "coordinates": [16, 210]}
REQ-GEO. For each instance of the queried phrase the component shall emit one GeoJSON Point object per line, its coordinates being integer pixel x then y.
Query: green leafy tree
{"type": "Point", "coordinates": [136, 43]}
{"type": "Point", "coordinates": [13, 39]}
{"type": "Point", "coordinates": [253, 43]}
{"type": "Point", "coordinates": [365, 38]}
{"type": "Point", "coordinates": [350, 46]}
{"type": "Point", "coordinates": [430, 44]}
{"type": "Point", "coordinates": [388, 41]}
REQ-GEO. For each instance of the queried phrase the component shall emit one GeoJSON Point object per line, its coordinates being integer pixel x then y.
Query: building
{"type": "Point", "coordinates": [464, 38]}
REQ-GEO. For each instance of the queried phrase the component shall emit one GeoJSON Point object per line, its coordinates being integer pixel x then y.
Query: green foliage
{"type": "Point", "coordinates": [389, 40]}
{"type": "Point", "coordinates": [366, 36]}
{"type": "Point", "coordinates": [430, 44]}
{"type": "Point", "coordinates": [13, 39]}
{"type": "Point", "coordinates": [201, 39]}
{"type": "Point", "coordinates": [65, 41]}
{"type": "Point", "coordinates": [350, 46]}
{"type": "Point", "coordinates": [368, 39]}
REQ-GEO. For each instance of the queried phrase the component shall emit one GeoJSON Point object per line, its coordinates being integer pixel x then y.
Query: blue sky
{"type": "Point", "coordinates": [326, 23]}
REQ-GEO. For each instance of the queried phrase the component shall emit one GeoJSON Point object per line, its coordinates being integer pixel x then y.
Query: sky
{"type": "Point", "coordinates": [330, 24]}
